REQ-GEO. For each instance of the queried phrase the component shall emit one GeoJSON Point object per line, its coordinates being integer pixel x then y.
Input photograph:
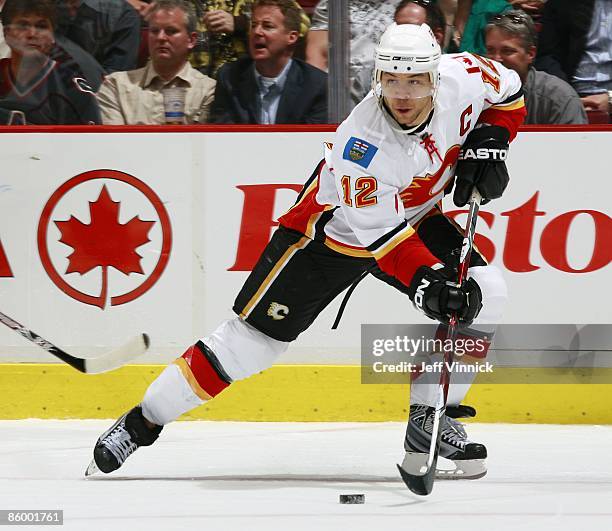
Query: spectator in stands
{"type": "Point", "coordinates": [368, 20]}
{"type": "Point", "coordinates": [576, 45]}
{"type": "Point", "coordinates": [223, 27]}
{"type": "Point", "coordinates": [511, 39]}
{"type": "Point", "coordinates": [418, 12]}
{"type": "Point", "coordinates": [471, 20]}
{"type": "Point", "coordinates": [107, 29]}
{"type": "Point", "coordinates": [32, 84]}
{"type": "Point", "coordinates": [271, 86]}
{"type": "Point", "coordinates": [136, 97]}
{"type": "Point", "coordinates": [65, 51]}
{"type": "Point", "coordinates": [473, 16]}
{"type": "Point", "coordinates": [4, 49]}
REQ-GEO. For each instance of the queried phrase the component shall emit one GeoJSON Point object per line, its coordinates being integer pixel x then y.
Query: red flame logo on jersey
{"type": "Point", "coordinates": [420, 189]}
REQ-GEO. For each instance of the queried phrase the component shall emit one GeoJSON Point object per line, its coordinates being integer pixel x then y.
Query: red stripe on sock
{"type": "Point", "coordinates": [203, 372]}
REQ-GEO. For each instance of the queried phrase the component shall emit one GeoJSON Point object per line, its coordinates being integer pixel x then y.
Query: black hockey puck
{"type": "Point", "coordinates": [352, 498]}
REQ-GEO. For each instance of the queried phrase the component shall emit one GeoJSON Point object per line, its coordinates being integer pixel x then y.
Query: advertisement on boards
{"type": "Point", "coordinates": [103, 236]}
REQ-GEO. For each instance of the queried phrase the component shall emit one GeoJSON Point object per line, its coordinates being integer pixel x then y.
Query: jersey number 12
{"type": "Point", "coordinates": [366, 188]}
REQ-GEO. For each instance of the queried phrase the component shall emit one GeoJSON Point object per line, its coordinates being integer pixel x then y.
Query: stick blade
{"type": "Point", "coordinates": [417, 474]}
{"type": "Point", "coordinates": [118, 357]}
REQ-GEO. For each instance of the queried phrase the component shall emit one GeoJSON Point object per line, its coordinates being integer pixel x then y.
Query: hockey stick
{"type": "Point", "coordinates": [418, 470]}
{"type": "Point", "coordinates": [107, 362]}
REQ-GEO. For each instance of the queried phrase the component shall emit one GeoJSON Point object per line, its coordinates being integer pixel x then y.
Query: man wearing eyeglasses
{"type": "Point", "coordinates": [510, 38]}
{"type": "Point", "coordinates": [38, 83]}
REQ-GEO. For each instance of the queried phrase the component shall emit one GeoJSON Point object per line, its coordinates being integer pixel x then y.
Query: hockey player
{"type": "Point", "coordinates": [373, 201]}
{"type": "Point", "coordinates": [39, 81]}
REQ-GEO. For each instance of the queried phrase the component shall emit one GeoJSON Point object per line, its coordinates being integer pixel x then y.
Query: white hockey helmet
{"type": "Point", "coordinates": [407, 49]}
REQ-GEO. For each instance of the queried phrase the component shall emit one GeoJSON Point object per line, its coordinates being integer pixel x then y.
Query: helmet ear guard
{"type": "Point", "coordinates": [406, 49]}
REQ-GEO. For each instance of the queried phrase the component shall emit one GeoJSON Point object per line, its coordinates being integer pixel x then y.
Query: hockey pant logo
{"type": "Point", "coordinates": [278, 311]}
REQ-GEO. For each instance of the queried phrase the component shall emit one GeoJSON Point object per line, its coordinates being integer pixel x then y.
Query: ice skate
{"type": "Point", "coordinates": [120, 441]}
{"type": "Point", "coordinates": [467, 456]}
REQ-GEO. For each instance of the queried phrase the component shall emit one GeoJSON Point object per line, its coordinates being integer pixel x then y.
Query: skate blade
{"type": "Point", "coordinates": [469, 469]}
{"type": "Point", "coordinates": [92, 469]}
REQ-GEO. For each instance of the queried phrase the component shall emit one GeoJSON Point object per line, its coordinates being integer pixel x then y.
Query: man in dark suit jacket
{"type": "Point", "coordinates": [271, 87]}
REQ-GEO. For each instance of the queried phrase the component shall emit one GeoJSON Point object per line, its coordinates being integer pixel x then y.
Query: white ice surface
{"type": "Point", "coordinates": [288, 476]}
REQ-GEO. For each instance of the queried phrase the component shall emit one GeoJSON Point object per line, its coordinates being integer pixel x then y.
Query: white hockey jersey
{"type": "Point", "coordinates": [375, 183]}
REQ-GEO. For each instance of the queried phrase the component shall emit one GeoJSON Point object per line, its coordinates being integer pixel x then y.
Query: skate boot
{"type": "Point", "coordinates": [120, 441]}
{"type": "Point", "coordinates": [467, 456]}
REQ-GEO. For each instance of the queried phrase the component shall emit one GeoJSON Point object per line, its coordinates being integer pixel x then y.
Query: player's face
{"type": "Point", "coordinates": [269, 38]}
{"type": "Point", "coordinates": [408, 96]}
{"type": "Point", "coordinates": [509, 51]}
{"type": "Point", "coordinates": [169, 40]}
{"type": "Point", "coordinates": [29, 35]}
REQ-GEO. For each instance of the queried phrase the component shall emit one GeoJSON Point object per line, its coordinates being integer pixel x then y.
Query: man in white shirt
{"type": "Point", "coordinates": [136, 97]}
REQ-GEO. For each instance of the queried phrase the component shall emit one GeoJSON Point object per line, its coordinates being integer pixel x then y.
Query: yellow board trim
{"type": "Point", "coordinates": [300, 393]}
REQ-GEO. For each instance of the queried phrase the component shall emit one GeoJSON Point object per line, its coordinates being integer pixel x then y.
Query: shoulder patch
{"type": "Point", "coordinates": [359, 151]}
{"type": "Point", "coordinates": [82, 85]}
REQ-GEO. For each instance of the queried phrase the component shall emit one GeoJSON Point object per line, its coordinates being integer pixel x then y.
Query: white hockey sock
{"type": "Point", "coordinates": [168, 397]}
{"type": "Point", "coordinates": [234, 351]}
{"type": "Point", "coordinates": [242, 350]}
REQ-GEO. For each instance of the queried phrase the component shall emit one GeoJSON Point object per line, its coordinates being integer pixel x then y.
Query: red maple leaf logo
{"type": "Point", "coordinates": [104, 242]}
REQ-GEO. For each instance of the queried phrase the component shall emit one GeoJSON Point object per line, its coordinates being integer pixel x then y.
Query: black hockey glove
{"type": "Point", "coordinates": [481, 164]}
{"type": "Point", "coordinates": [436, 294]}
